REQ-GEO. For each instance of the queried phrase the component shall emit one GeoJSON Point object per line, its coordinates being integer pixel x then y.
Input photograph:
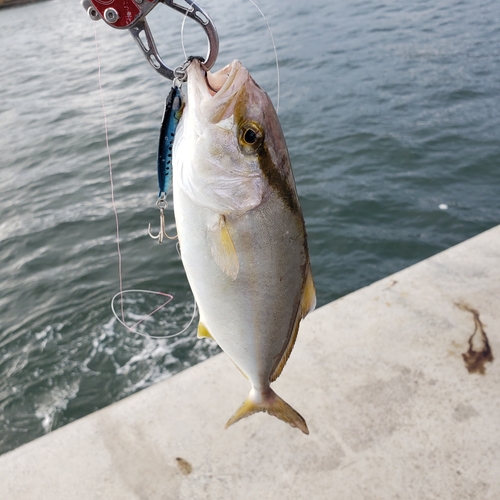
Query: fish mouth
{"type": "Point", "coordinates": [216, 92]}
{"type": "Point", "coordinates": [221, 80]}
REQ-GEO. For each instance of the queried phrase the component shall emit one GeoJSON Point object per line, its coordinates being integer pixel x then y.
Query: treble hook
{"type": "Point", "coordinates": [124, 14]}
{"type": "Point", "coordinates": [161, 204]}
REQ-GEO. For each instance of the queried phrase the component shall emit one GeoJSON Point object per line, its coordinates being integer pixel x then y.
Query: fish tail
{"type": "Point", "coordinates": [273, 405]}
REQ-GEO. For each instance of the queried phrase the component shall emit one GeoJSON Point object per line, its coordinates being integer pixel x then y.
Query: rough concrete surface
{"type": "Point", "coordinates": [379, 375]}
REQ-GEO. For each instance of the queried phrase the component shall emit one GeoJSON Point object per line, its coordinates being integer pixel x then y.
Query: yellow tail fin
{"type": "Point", "coordinates": [273, 405]}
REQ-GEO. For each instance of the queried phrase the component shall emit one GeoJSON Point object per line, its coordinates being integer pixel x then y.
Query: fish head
{"type": "Point", "coordinates": [232, 100]}
{"type": "Point", "coordinates": [237, 144]}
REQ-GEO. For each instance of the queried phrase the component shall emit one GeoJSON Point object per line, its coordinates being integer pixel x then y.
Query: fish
{"type": "Point", "coordinates": [241, 230]}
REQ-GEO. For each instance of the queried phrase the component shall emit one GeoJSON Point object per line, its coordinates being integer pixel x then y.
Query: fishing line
{"type": "Point", "coordinates": [274, 48]}
{"type": "Point", "coordinates": [113, 204]}
{"type": "Point", "coordinates": [182, 34]}
{"type": "Point", "coordinates": [122, 292]}
{"type": "Point", "coordinates": [146, 335]}
{"type": "Point", "coordinates": [275, 54]}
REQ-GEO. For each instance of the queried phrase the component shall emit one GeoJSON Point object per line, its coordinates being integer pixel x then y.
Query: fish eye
{"type": "Point", "coordinates": [251, 137]}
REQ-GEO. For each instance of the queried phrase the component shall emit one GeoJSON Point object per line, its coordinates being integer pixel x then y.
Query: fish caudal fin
{"type": "Point", "coordinates": [273, 405]}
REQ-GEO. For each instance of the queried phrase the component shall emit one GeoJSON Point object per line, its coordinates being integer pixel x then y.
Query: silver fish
{"type": "Point", "coordinates": [241, 231]}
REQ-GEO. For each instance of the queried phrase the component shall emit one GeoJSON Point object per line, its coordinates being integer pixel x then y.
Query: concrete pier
{"type": "Point", "coordinates": [398, 383]}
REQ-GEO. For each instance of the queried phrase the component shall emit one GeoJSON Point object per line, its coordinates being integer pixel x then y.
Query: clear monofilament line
{"type": "Point", "coordinates": [113, 204]}
{"type": "Point", "coordinates": [121, 318]}
{"type": "Point", "coordinates": [182, 34]}
{"type": "Point", "coordinates": [278, 81]}
{"type": "Point", "coordinates": [275, 54]}
{"type": "Point", "coordinates": [133, 327]}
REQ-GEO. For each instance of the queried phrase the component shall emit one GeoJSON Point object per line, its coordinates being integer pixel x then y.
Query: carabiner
{"type": "Point", "coordinates": [131, 15]}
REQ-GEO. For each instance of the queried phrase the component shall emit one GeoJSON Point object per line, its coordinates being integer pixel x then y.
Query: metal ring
{"type": "Point", "coordinates": [151, 52]}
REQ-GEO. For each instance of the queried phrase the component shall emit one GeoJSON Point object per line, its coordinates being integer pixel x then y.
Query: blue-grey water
{"type": "Point", "coordinates": [390, 109]}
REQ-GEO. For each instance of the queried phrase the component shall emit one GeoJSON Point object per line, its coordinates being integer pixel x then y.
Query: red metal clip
{"type": "Point", "coordinates": [131, 15]}
{"type": "Point", "coordinates": [121, 14]}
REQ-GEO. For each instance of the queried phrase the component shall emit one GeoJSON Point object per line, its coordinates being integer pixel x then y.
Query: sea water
{"type": "Point", "coordinates": [392, 118]}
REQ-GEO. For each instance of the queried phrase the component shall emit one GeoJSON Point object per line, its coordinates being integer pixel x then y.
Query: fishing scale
{"type": "Point", "coordinates": [131, 15]}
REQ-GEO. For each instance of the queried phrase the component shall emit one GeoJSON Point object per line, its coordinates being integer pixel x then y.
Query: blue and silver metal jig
{"type": "Point", "coordinates": [171, 116]}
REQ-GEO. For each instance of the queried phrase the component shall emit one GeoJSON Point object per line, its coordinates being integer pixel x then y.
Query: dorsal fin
{"type": "Point", "coordinates": [309, 296]}
{"type": "Point", "coordinates": [307, 304]}
{"type": "Point", "coordinates": [223, 250]}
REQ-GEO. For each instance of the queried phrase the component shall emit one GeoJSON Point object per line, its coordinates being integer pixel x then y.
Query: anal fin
{"type": "Point", "coordinates": [203, 332]}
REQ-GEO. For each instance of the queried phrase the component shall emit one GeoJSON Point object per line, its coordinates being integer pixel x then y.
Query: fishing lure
{"type": "Point", "coordinates": [171, 116]}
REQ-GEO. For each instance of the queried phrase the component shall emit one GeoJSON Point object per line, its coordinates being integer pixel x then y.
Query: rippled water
{"type": "Point", "coordinates": [390, 110]}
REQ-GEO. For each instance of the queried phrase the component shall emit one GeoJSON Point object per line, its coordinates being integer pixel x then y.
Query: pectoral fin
{"type": "Point", "coordinates": [223, 250]}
